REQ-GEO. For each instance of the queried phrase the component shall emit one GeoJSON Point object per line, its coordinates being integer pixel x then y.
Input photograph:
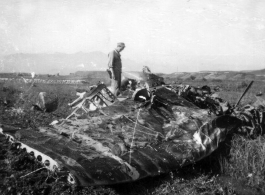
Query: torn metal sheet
{"type": "Point", "coordinates": [129, 141]}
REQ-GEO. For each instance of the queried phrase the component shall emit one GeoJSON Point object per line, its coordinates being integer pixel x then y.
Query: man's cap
{"type": "Point", "coordinates": [120, 44]}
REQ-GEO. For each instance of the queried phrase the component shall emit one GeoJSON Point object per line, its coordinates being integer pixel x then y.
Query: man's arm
{"type": "Point", "coordinates": [111, 59]}
{"type": "Point", "coordinates": [111, 63]}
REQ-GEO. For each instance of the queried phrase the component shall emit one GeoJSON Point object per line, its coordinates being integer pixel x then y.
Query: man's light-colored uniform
{"type": "Point", "coordinates": [116, 65]}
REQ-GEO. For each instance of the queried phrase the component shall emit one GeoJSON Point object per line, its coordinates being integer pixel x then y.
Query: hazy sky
{"type": "Point", "coordinates": [167, 35]}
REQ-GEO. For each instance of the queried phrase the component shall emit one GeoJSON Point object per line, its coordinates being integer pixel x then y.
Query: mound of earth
{"type": "Point", "coordinates": [243, 76]}
{"type": "Point", "coordinates": [200, 77]}
{"type": "Point", "coordinates": [221, 77]}
{"type": "Point", "coordinates": [186, 77]}
{"type": "Point", "coordinates": [211, 76]}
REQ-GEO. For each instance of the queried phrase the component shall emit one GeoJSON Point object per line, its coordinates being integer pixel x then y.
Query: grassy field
{"type": "Point", "coordinates": [236, 167]}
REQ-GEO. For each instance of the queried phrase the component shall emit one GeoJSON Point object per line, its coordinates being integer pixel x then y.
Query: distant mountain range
{"type": "Point", "coordinates": [92, 62]}
{"type": "Point", "coordinates": [61, 63]}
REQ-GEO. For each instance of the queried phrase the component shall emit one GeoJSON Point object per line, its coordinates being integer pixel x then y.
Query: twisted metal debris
{"type": "Point", "coordinates": [177, 126]}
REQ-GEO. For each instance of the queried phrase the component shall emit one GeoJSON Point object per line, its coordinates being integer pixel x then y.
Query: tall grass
{"type": "Point", "coordinates": [247, 161]}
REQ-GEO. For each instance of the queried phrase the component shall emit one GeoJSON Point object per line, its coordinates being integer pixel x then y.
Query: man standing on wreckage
{"type": "Point", "coordinates": [115, 68]}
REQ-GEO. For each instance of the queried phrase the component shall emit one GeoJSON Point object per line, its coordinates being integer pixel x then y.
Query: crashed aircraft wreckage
{"type": "Point", "coordinates": [155, 131]}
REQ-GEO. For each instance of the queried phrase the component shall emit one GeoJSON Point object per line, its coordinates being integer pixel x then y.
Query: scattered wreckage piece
{"type": "Point", "coordinates": [13, 135]}
{"type": "Point", "coordinates": [251, 116]}
{"type": "Point", "coordinates": [253, 119]}
{"type": "Point", "coordinates": [44, 105]}
{"type": "Point", "coordinates": [129, 142]}
{"type": "Point", "coordinates": [98, 96]}
{"type": "Point", "coordinates": [204, 98]}
{"type": "Point", "coordinates": [151, 79]}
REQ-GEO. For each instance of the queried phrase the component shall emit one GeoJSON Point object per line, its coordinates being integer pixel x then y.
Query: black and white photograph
{"type": "Point", "coordinates": [132, 97]}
